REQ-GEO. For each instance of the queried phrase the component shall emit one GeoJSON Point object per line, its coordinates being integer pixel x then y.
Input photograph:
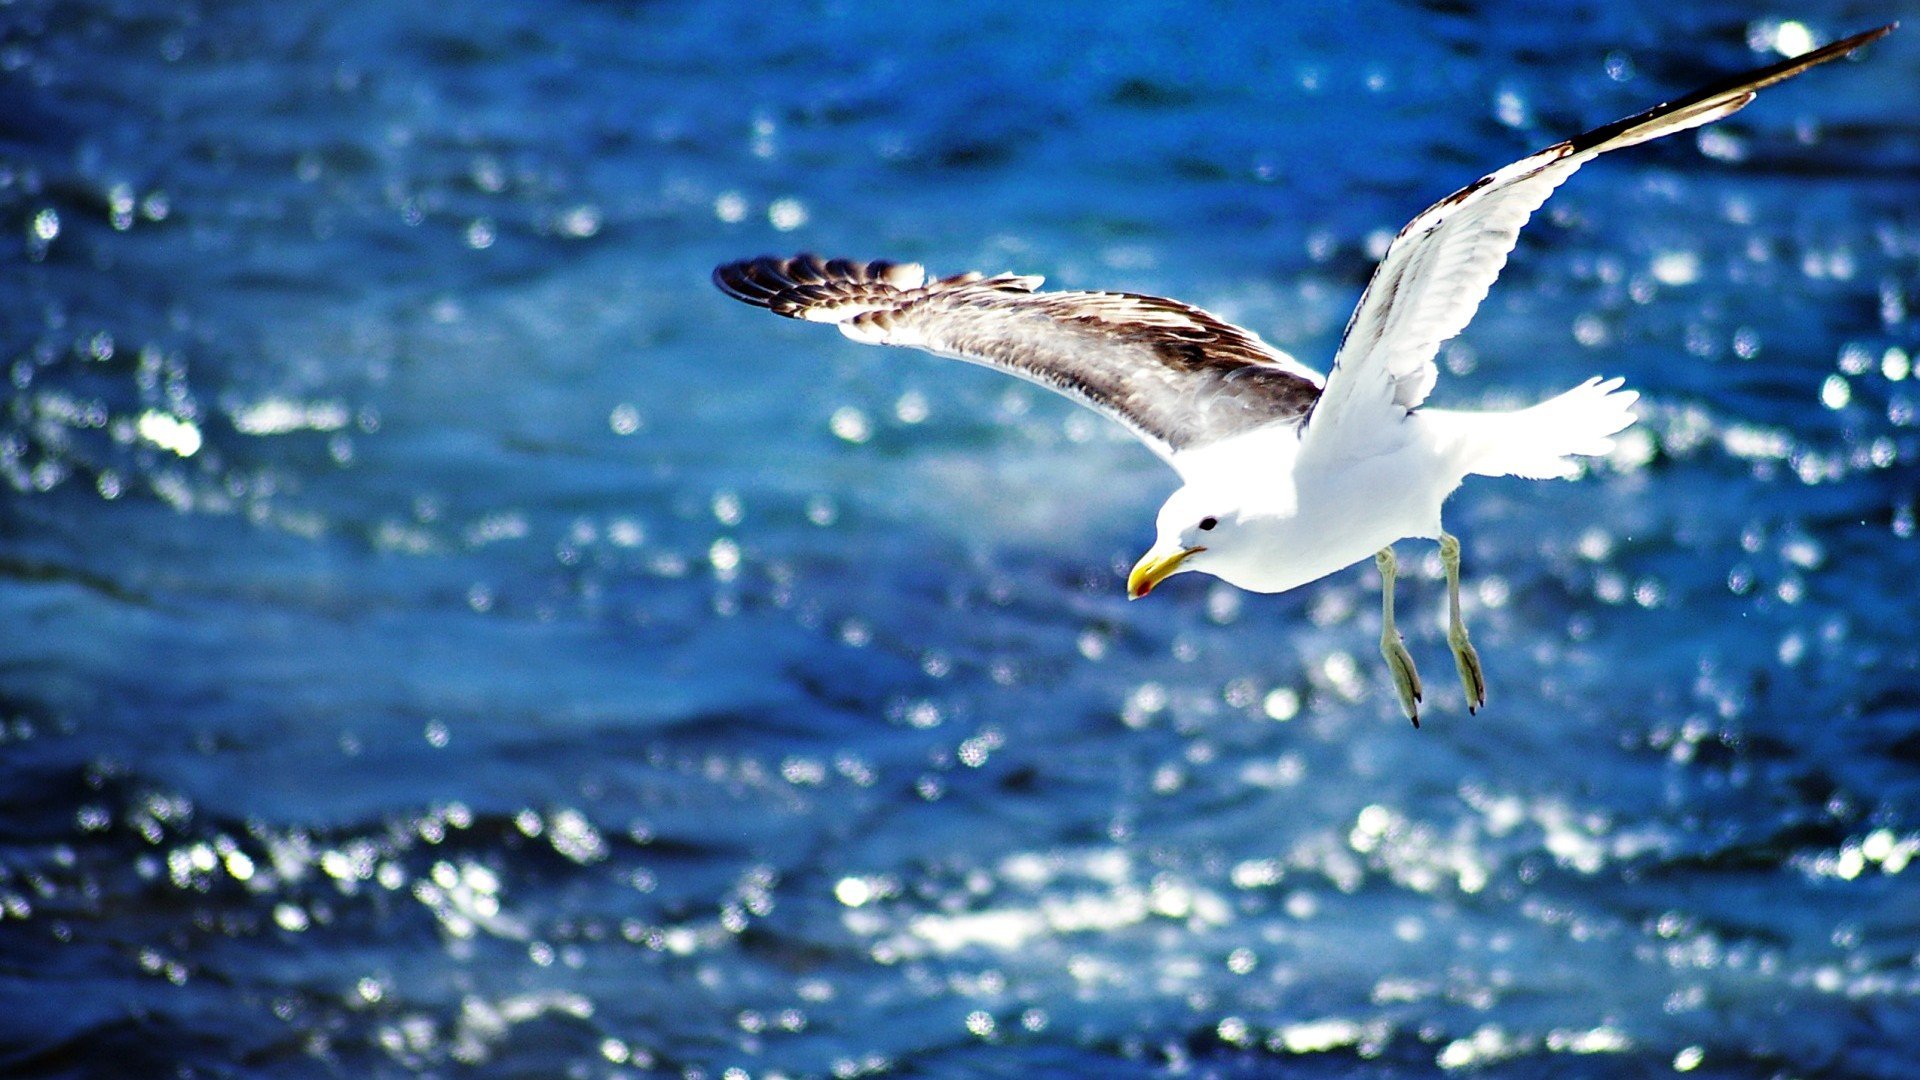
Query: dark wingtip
{"type": "Point", "coordinates": [1794, 65]}
{"type": "Point", "coordinates": [1748, 82]}
{"type": "Point", "coordinates": [731, 278]}
{"type": "Point", "coordinates": [1847, 44]}
{"type": "Point", "coordinates": [795, 286]}
{"type": "Point", "coordinates": [758, 280]}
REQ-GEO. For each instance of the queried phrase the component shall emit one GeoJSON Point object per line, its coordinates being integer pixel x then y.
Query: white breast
{"type": "Point", "coordinates": [1312, 522]}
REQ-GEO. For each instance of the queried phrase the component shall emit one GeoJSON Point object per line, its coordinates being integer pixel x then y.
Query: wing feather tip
{"type": "Point", "coordinates": [902, 276]}
{"type": "Point", "coordinates": [808, 287]}
{"type": "Point", "coordinates": [738, 280]}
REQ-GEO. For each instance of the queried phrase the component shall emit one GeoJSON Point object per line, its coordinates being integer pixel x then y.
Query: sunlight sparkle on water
{"type": "Point", "coordinates": [278, 416]}
{"type": "Point", "coordinates": [169, 432]}
{"type": "Point", "coordinates": [1789, 37]}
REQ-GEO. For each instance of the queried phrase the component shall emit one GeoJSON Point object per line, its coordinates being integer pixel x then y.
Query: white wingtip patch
{"type": "Point", "coordinates": [866, 333]}
{"type": "Point", "coordinates": [837, 313]}
{"type": "Point", "coordinates": [906, 276]}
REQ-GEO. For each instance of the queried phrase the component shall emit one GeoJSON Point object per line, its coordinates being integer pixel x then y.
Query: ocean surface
{"type": "Point", "coordinates": [442, 636]}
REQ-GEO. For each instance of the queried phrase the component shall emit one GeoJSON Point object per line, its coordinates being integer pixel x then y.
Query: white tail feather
{"type": "Point", "coordinates": [1541, 442]}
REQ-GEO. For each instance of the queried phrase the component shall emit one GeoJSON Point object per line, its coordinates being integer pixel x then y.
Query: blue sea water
{"type": "Point", "coordinates": [445, 637]}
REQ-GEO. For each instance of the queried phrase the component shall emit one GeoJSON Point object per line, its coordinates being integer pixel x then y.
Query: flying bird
{"type": "Point", "coordinates": [1288, 476]}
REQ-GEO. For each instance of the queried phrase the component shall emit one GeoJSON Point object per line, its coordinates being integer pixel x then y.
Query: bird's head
{"type": "Point", "coordinates": [1194, 528]}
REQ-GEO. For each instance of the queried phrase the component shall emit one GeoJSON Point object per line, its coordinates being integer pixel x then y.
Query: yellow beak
{"type": "Point", "coordinates": [1155, 567]}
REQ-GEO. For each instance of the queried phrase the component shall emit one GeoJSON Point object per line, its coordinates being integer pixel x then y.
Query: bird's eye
{"type": "Point", "coordinates": [1207, 523]}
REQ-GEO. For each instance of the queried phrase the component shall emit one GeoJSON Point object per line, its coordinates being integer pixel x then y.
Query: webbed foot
{"type": "Point", "coordinates": [1406, 679]}
{"type": "Point", "coordinates": [1472, 679]}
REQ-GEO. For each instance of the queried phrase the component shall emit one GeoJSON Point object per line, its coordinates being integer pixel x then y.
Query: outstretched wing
{"type": "Point", "coordinates": [1176, 376]}
{"type": "Point", "coordinates": [1438, 270]}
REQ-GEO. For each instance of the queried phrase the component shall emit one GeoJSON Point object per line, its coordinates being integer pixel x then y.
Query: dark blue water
{"type": "Point", "coordinates": [445, 637]}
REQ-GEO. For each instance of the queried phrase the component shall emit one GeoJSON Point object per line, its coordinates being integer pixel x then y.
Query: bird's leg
{"type": "Point", "coordinates": [1406, 681]}
{"type": "Point", "coordinates": [1464, 658]}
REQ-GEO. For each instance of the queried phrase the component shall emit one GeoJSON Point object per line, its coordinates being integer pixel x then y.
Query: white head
{"type": "Point", "coordinates": [1198, 529]}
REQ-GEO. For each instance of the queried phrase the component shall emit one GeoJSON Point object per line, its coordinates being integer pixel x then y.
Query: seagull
{"type": "Point", "coordinates": [1287, 475]}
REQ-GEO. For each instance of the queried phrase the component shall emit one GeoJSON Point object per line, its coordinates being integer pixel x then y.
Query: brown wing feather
{"type": "Point", "coordinates": [1177, 376]}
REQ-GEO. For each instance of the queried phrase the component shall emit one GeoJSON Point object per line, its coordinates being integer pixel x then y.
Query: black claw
{"type": "Point", "coordinates": [1416, 722]}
